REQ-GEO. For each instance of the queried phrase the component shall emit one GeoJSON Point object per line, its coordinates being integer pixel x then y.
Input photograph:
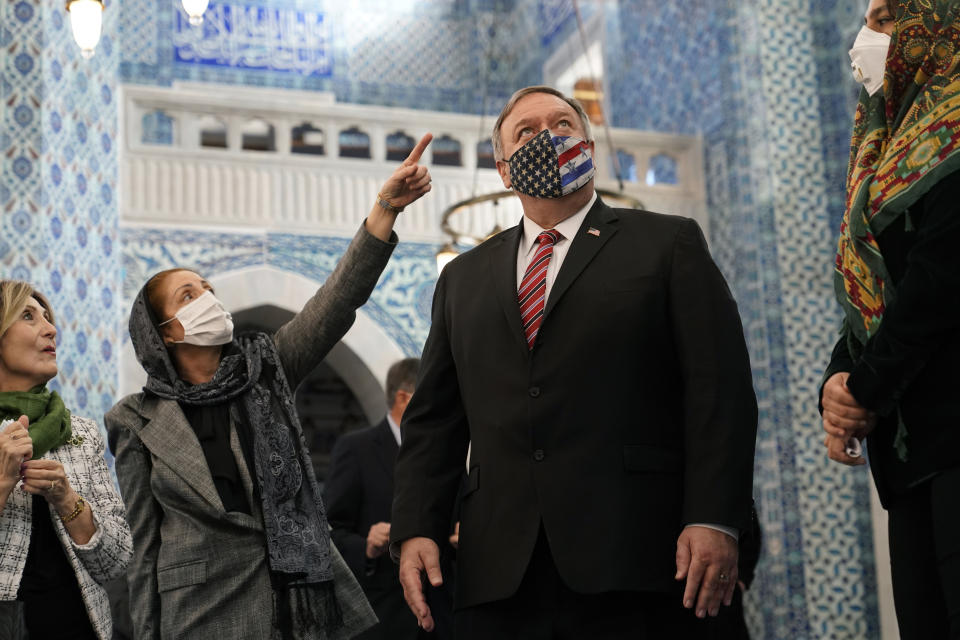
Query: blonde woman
{"type": "Point", "coordinates": [62, 527]}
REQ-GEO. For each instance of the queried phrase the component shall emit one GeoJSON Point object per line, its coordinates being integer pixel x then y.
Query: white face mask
{"type": "Point", "coordinates": [205, 322]}
{"type": "Point", "coordinates": [869, 58]}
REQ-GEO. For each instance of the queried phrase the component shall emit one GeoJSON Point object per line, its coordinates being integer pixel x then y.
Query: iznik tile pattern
{"type": "Point", "coordinates": [400, 304]}
{"type": "Point", "coordinates": [58, 199]}
{"type": "Point", "coordinates": [444, 55]}
{"type": "Point", "coordinates": [810, 319]}
{"type": "Point", "coordinates": [771, 97]}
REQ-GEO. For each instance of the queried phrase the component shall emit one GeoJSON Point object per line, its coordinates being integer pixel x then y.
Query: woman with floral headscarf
{"type": "Point", "coordinates": [893, 374]}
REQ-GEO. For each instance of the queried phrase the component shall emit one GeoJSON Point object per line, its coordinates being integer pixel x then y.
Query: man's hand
{"type": "Point", "coordinates": [378, 539]}
{"type": "Point", "coordinates": [707, 558]}
{"type": "Point", "coordinates": [454, 538]}
{"type": "Point", "coordinates": [418, 555]}
{"type": "Point", "coordinates": [843, 417]}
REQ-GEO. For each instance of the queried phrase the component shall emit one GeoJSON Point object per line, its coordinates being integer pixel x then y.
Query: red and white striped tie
{"type": "Point", "coordinates": [532, 293]}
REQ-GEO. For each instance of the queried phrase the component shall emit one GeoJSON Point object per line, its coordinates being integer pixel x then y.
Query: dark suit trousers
{"type": "Point", "coordinates": [544, 608]}
{"type": "Point", "coordinates": [925, 558]}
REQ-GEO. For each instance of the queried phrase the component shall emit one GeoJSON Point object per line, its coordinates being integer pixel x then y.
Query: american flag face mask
{"type": "Point", "coordinates": [549, 166]}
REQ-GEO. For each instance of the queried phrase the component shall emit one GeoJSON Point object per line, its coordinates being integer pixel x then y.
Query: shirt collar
{"type": "Point", "coordinates": [394, 427]}
{"type": "Point", "coordinates": [567, 228]}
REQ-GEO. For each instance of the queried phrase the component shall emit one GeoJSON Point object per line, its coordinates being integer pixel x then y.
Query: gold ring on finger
{"type": "Point", "coordinates": [53, 485]}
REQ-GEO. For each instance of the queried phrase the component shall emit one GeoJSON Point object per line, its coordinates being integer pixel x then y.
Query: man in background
{"type": "Point", "coordinates": [358, 495]}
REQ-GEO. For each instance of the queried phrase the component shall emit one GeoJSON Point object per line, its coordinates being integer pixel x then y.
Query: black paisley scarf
{"type": "Point", "coordinates": [250, 377]}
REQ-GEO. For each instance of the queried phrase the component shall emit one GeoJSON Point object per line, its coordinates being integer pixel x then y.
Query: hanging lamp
{"type": "Point", "coordinates": [86, 21]}
{"type": "Point", "coordinates": [195, 9]}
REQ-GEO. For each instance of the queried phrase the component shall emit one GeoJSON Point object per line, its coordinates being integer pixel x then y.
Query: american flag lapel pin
{"type": "Point", "coordinates": [594, 231]}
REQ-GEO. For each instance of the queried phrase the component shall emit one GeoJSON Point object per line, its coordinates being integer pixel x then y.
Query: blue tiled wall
{"type": "Point", "coordinates": [764, 82]}
{"type": "Point", "coordinates": [58, 193]}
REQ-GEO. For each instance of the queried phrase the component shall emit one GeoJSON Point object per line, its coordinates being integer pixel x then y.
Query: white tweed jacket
{"type": "Point", "coordinates": [104, 557]}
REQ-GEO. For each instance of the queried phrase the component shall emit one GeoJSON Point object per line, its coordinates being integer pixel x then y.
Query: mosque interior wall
{"type": "Point", "coordinates": [768, 98]}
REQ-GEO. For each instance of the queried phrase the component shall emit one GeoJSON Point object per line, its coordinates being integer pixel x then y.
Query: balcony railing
{"type": "Point", "coordinates": [297, 161]}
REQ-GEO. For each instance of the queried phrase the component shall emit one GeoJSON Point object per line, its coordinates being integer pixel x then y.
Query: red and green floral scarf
{"type": "Point", "coordinates": [905, 139]}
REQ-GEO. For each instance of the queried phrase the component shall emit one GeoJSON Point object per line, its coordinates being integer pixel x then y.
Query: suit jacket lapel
{"type": "Point", "coordinates": [583, 248]}
{"type": "Point", "coordinates": [170, 437]}
{"type": "Point", "coordinates": [503, 266]}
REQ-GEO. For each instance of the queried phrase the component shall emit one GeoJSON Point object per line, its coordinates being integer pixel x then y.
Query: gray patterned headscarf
{"type": "Point", "coordinates": [250, 377]}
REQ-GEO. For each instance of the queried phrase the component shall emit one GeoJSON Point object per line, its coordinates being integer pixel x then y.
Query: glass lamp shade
{"type": "Point", "coordinates": [445, 255]}
{"type": "Point", "coordinates": [86, 20]}
{"type": "Point", "coordinates": [195, 9]}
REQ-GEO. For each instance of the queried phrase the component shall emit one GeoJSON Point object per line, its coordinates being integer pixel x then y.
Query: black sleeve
{"type": "Point", "coordinates": [840, 360]}
{"type": "Point", "coordinates": [343, 495]}
{"type": "Point", "coordinates": [924, 311]}
{"type": "Point", "coordinates": [719, 405]}
{"type": "Point", "coordinates": [435, 437]}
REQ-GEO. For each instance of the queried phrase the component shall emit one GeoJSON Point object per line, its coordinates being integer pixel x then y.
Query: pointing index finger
{"type": "Point", "coordinates": [418, 150]}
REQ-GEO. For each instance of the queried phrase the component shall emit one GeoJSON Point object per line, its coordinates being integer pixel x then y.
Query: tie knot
{"type": "Point", "coordinates": [550, 236]}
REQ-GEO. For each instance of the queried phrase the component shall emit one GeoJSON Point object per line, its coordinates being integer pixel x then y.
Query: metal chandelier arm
{"type": "Point", "coordinates": [457, 207]}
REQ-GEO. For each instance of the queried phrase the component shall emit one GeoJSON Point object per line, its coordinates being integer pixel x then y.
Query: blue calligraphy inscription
{"type": "Point", "coordinates": [251, 37]}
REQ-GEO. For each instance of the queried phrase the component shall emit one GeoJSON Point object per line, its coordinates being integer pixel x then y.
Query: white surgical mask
{"type": "Point", "coordinates": [205, 322]}
{"type": "Point", "coordinates": [869, 58]}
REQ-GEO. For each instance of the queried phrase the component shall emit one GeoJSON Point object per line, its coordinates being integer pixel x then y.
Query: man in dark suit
{"type": "Point", "coordinates": [595, 359]}
{"type": "Point", "coordinates": [358, 495]}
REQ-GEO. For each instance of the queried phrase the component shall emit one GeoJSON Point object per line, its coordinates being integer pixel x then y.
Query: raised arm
{"type": "Point", "coordinates": [328, 315]}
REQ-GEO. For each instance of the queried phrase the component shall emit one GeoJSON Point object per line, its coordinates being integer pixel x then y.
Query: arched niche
{"type": "Point", "coordinates": [307, 138]}
{"type": "Point", "coordinates": [662, 170]}
{"type": "Point", "coordinates": [485, 159]}
{"type": "Point", "coordinates": [156, 127]}
{"type": "Point", "coordinates": [446, 151]}
{"type": "Point", "coordinates": [258, 135]}
{"type": "Point", "coordinates": [627, 165]}
{"type": "Point", "coordinates": [212, 132]}
{"type": "Point", "coordinates": [399, 146]}
{"type": "Point", "coordinates": [354, 143]}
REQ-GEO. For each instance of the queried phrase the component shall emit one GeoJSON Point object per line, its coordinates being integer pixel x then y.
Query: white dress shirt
{"type": "Point", "coordinates": [394, 427]}
{"type": "Point", "coordinates": [528, 244]}
{"type": "Point", "coordinates": [568, 229]}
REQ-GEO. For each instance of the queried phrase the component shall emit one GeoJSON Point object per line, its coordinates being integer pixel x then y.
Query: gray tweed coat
{"type": "Point", "coordinates": [199, 571]}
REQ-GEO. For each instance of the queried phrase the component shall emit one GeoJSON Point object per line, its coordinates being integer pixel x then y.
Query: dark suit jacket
{"type": "Point", "coordinates": [633, 415]}
{"type": "Point", "coordinates": [358, 494]}
{"type": "Point", "coordinates": [908, 368]}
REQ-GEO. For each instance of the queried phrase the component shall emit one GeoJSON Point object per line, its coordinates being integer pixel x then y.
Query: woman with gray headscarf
{"type": "Point", "coordinates": [230, 533]}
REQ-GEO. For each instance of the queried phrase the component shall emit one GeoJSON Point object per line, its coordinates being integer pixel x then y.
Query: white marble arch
{"type": "Point", "coordinates": [363, 365]}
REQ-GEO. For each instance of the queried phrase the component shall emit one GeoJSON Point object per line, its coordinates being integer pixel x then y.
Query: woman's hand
{"type": "Point", "coordinates": [411, 180]}
{"type": "Point", "coordinates": [837, 451]}
{"type": "Point", "coordinates": [15, 447]}
{"type": "Point", "coordinates": [47, 478]}
{"type": "Point", "coordinates": [407, 184]}
{"type": "Point", "coordinates": [843, 417]}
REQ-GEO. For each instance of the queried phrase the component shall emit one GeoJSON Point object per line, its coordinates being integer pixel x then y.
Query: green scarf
{"type": "Point", "coordinates": [49, 418]}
